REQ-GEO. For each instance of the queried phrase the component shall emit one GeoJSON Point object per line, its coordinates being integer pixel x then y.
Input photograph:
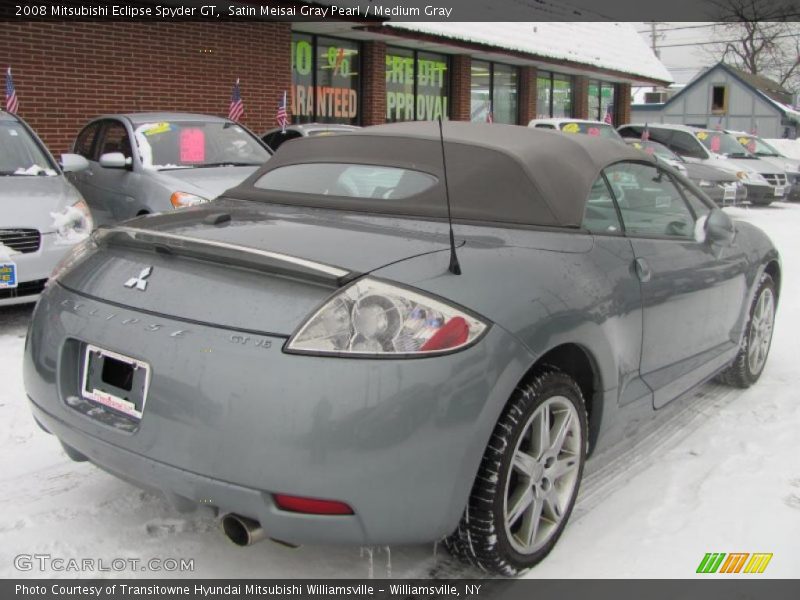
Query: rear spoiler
{"type": "Point", "coordinates": [225, 253]}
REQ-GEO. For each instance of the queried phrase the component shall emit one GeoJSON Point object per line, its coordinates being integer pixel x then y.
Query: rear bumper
{"type": "Point", "coordinates": [228, 423]}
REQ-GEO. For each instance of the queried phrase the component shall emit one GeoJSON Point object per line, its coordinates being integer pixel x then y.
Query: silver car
{"type": "Point", "coordinates": [767, 152]}
{"type": "Point", "coordinates": [277, 136]}
{"type": "Point", "coordinates": [143, 163]}
{"type": "Point", "coordinates": [325, 358]}
{"type": "Point", "coordinates": [42, 216]}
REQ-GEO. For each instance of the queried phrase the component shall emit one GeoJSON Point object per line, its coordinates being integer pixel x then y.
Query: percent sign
{"type": "Point", "coordinates": [338, 62]}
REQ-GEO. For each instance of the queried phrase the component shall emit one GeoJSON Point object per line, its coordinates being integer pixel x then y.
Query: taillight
{"type": "Point", "coordinates": [311, 506]}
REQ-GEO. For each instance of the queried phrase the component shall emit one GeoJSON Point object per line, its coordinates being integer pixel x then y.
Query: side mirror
{"type": "Point", "coordinates": [719, 227]}
{"type": "Point", "coordinates": [114, 160]}
{"type": "Point", "coordinates": [72, 163]}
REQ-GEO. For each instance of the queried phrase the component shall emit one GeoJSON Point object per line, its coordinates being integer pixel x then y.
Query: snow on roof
{"type": "Point", "coordinates": [787, 109]}
{"type": "Point", "coordinates": [608, 45]}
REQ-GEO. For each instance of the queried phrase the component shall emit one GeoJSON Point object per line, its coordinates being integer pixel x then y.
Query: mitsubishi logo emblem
{"type": "Point", "coordinates": [140, 282]}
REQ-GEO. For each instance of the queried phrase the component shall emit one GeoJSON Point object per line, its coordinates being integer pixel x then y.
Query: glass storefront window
{"type": "Point", "coordinates": [562, 96]}
{"type": "Point", "coordinates": [553, 95]}
{"type": "Point", "coordinates": [417, 85]}
{"type": "Point", "coordinates": [601, 100]}
{"type": "Point", "coordinates": [325, 80]}
{"type": "Point", "coordinates": [504, 94]}
{"type": "Point", "coordinates": [480, 94]}
{"type": "Point", "coordinates": [493, 90]}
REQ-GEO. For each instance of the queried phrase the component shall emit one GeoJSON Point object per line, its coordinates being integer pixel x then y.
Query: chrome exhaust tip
{"type": "Point", "coordinates": [242, 531]}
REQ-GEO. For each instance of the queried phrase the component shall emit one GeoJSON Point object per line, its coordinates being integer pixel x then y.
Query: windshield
{"type": "Point", "coordinates": [656, 149]}
{"type": "Point", "coordinates": [594, 129]}
{"type": "Point", "coordinates": [722, 143]}
{"type": "Point", "coordinates": [20, 154]}
{"type": "Point", "coordinates": [197, 144]}
{"type": "Point", "coordinates": [756, 146]}
{"type": "Point", "coordinates": [347, 180]}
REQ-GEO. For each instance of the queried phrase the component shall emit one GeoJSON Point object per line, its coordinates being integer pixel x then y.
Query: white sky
{"type": "Point", "coordinates": [678, 46]}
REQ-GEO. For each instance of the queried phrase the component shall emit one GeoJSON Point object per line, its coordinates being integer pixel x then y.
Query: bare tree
{"type": "Point", "coordinates": [761, 37]}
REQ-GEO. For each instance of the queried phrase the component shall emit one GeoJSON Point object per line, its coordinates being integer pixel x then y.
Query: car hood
{"type": "Point", "coordinates": [698, 171]}
{"type": "Point", "coordinates": [783, 164]}
{"type": "Point", "coordinates": [27, 201]}
{"type": "Point", "coordinates": [749, 164]}
{"type": "Point", "coordinates": [207, 182]}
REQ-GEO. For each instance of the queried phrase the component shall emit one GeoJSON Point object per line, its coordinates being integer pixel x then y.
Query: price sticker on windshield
{"type": "Point", "coordinates": [701, 135]}
{"type": "Point", "coordinates": [8, 275]}
{"type": "Point", "coordinates": [193, 145]}
{"type": "Point", "coordinates": [571, 128]}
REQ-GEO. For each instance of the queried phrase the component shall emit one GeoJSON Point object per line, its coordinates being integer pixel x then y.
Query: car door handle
{"type": "Point", "coordinates": [643, 271]}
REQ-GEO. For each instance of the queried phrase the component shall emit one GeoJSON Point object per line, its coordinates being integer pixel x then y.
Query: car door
{"type": "Point", "coordinates": [86, 145]}
{"type": "Point", "coordinates": [613, 256]}
{"type": "Point", "coordinates": [685, 283]}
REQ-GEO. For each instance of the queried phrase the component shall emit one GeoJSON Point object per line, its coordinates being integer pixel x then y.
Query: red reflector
{"type": "Point", "coordinates": [454, 333]}
{"type": "Point", "coordinates": [311, 506]}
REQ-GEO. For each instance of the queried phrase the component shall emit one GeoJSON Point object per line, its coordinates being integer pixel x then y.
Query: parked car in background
{"type": "Point", "coordinates": [718, 149]}
{"type": "Point", "coordinates": [722, 186]}
{"type": "Point", "coordinates": [277, 136]}
{"type": "Point", "coordinates": [42, 216]}
{"type": "Point", "coordinates": [315, 356]}
{"type": "Point", "coordinates": [766, 151]}
{"type": "Point", "coordinates": [143, 163]}
{"type": "Point", "coordinates": [584, 126]}
{"type": "Point", "coordinates": [789, 148]}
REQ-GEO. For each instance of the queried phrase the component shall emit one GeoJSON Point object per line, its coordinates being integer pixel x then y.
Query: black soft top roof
{"type": "Point", "coordinates": [496, 173]}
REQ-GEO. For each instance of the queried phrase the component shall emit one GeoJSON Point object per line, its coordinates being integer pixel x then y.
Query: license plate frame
{"type": "Point", "coordinates": [729, 192]}
{"type": "Point", "coordinates": [95, 388]}
{"type": "Point", "coordinates": [780, 190]}
{"type": "Point", "coordinates": [9, 279]}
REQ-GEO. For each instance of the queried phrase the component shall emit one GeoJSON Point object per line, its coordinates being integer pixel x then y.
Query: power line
{"type": "Point", "coordinates": [647, 32]}
{"type": "Point", "coordinates": [790, 35]}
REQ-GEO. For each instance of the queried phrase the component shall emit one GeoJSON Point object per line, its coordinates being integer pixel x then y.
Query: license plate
{"type": "Point", "coordinates": [115, 381]}
{"type": "Point", "coordinates": [8, 275]}
{"type": "Point", "coordinates": [779, 190]}
{"type": "Point", "coordinates": [729, 193]}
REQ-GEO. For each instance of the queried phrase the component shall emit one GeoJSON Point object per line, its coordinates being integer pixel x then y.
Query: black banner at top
{"type": "Point", "coordinates": [372, 11]}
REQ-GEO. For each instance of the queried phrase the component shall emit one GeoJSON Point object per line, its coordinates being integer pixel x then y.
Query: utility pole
{"type": "Point", "coordinates": [654, 36]}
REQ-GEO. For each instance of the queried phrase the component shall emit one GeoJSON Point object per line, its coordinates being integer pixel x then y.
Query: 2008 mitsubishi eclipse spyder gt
{"type": "Point", "coordinates": [311, 355]}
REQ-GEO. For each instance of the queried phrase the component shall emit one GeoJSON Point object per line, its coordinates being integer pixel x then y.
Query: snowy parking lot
{"type": "Point", "coordinates": [720, 474]}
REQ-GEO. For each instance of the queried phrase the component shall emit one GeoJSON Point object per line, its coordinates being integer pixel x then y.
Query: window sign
{"type": "Point", "coordinates": [416, 85]}
{"type": "Point", "coordinates": [601, 99]}
{"type": "Point", "coordinates": [325, 80]}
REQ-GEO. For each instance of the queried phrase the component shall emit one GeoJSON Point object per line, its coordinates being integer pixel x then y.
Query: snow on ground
{"type": "Point", "coordinates": [720, 474]}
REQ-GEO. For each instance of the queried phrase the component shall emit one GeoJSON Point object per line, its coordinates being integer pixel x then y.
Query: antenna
{"type": "Point", "coordinates": [455, 267]}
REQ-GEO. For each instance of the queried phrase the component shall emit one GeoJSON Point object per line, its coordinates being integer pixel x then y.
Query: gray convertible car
{"type": "Point", "coordinates": [316, 356]}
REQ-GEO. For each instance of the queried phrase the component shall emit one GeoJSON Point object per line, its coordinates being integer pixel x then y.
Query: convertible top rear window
{"type": "Point", "coordinates": [347, 180]}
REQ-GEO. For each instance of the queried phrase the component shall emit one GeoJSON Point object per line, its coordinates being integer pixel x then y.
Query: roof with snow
{"type": "Point", "coordinates": [606, 45]}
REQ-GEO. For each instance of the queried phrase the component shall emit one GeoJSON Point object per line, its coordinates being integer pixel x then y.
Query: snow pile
{"type": "Point", "coordinates": [6, 253]}
{"type": "Point", "coordinates": [70, 226]}
{"type": "Point", "coordinates": [35, 170]}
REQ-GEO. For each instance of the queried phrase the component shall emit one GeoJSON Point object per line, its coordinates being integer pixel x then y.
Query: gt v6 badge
{"type": "Point", "coordinates": [140, 282]}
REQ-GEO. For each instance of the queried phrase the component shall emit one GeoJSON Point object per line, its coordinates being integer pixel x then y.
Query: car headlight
{"type": "Point", "coordinates": [183, 199]}
{"type": "Point", "coordinates": [75, 255]}
{"type": "Point", "coordinates": [378, 319]}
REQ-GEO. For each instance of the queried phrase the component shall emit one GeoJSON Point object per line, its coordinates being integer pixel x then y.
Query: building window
{"type": "Point", "coordinates": [325, 80]}
{"type": "Point", "coordinates": [553, 95]}
{"type": "Point", "coordinates": [494, 92]}
{"type": "Point", "coordinates": [417, 85]}
{"type": "Point", "coordinates": [601, 101]}
{"type": "Point", "coordinates": [719, 99]}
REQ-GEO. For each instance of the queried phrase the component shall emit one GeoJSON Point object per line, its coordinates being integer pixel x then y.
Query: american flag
{"type": "Point", "coordinates": [236, 109]}
{"type": "Point", "coordinates": [608, 118]}
{"type": "Point", "coordinates": [645, 133]}
{"type": "Point", "coordinates": [282, 116]}
{"type": "Point", "coordinates": [12, 104]}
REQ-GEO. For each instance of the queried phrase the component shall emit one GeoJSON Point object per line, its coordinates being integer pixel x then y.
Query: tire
{"type": "Point", "coordinates": [749, 363]}
{"type": "Point", "coordinates": [482, 538]}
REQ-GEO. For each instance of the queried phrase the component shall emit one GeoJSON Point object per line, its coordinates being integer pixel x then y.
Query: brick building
{"type": "Point", "coordinates": [363, 73]}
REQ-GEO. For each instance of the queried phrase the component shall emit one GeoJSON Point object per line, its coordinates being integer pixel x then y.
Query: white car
{"type": "Point", "coordinates": [42, 215]}
{"type": "Point", "coordinates": [584, 126]}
